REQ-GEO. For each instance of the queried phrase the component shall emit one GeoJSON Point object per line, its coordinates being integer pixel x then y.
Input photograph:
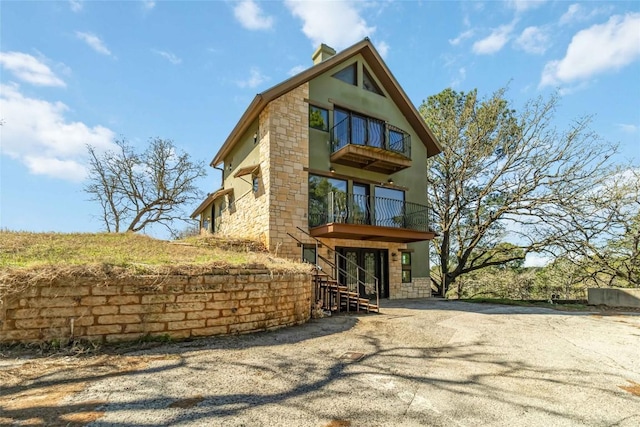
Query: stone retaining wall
{"type": "Point", "coordinates": [177, 307]}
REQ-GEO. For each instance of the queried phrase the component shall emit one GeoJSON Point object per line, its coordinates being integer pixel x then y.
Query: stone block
{"type": "Point", "coordinates": [65, 311]}
{"type": "Point", "coordinates": [23, 313]}
{"type": "Point", "coordinates": [101, 300]}
{"type": "Point", "coordinates": [203, 287]}
{"type": "Point", "coordinates": [123, 299]}
{"type": "Point", "coordinates": [184, 306]}
{"type": "Point", "coordinates": [151, 299]}
{"type": "Point", "coordinates": [41, 323]}
{"type": "Point", "coordinates": [203, 314]}
{"type": "Point", "coordinates": [103, 330]}
{"type": "Point", "coordinates": [105, 290]}
{"type": "Point", "coordinates": [144, 327]}
{"type": "Point", "coordinates": [66, 291]}
{"type": "Point", "coordinates": [118, 319]}
{"type": "Point", "coordinates": [54, 302]}
{"type": "Point", "coordinates": [163, 317]}
{"type": "Point", "coordinates": [106, 309]}
{"type": "Point", "coordinates": [200, 297]}
{"type": "Point", "coordinates": [141, 308]}
{"type": "Point", "coordinates": [219, 305]}
{"type": "Point", "coordinates": [186, 324]}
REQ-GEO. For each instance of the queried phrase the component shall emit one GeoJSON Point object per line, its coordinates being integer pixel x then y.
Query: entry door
{"type": "Point", "coordinates": [373, 261]}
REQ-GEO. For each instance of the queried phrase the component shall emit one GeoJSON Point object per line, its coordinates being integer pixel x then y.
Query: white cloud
{"type": "Point", "coordinates": [533, 40]}
{"type": "Point", "coordinates": [495, 41]}
{"type": "Point", "coordinates": [335, 23]}
{"type": "Point", "coordinates": [36, 133]}
{"type": "Point", "coordinates": [29, 69]}
{"type": "Point", "coordinates": [383, 48]}
{"type": "Point", "coordinates": [578, 13]}
{"type": "Point", "coordinates": [597, 49]}
{"type": "Point", "coordinates": [296, 70]}
{"type": "Point", "coordinates": [627, 128]}
{"type": "Point", "coordinates": [76, 5]}
{"type": "Point", "coordinates": [256, 78]}
{"type": "Point", "coordinates": [148, 5]}
{"type": "Point", "coordinates": [168, 56]}
{"type": "Point", "coordinates": [524, 5]}
{"type": "Point", "coordinates": [462, 36]}
{"type": "Point", "coordinates": [94, 42]}
{"type": "Point", "coordinates": [251, 16]}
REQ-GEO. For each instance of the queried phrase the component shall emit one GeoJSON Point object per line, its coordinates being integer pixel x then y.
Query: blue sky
{"type": "Point", "coordinates": [81, 72]}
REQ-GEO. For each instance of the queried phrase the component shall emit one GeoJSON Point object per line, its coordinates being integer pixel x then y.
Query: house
{"type": "Point", "coordinates": [329, 166]}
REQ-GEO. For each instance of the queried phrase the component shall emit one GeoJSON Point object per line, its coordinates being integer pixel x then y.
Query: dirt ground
{"type": "Point", "coordinates": [417, 363]}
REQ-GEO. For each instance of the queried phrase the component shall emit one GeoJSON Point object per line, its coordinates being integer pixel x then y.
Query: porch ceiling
{"type": "Point", "coordinates": [370, 232]}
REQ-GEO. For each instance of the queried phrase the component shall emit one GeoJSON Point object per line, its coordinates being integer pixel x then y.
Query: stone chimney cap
{"type": "Point", "coordinates": [322, 53]}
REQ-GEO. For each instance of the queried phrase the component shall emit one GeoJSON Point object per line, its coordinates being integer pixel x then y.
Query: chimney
{"type": "Point", "coordinates": [322, 53]}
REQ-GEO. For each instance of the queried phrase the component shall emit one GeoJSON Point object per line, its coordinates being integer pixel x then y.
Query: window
{"type": "Point", "coordinates": [348, 75]}
{"type": "Point", "coordinates": [309, 254]}
{"type": "Point", "coordinates": [405, 259]}
{"type": "Point", "coordinates": [327, 200]}
{"type": "Point", "coordinates": [255, 184]}
{"type": "Point", "coordinates": [352, 128]}
{"type": "Point", "coordinates": [318, 118]}
{"type": "Point", "coordinates": [369, 84]}
{"type": "Point", "coordinates": [389, 207]}
{"type": "Point", "coordinates": [398, 140]}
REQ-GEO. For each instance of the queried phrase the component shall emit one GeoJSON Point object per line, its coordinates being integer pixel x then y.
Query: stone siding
{"type": "Point", "coordinates": [177, 307]}
{"type": "Point", "coordinates": [288, 185]}
{"type": "Point", "coordinates": [420, 287]}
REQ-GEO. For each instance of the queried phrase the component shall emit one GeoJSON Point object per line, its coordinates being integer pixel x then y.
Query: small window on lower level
{"type": "Point", "coordinates": [256, 184]}
{"type": "Point", "coordinates": [309, 254]}
{"type": "Point", "coordinates": [406, 267]}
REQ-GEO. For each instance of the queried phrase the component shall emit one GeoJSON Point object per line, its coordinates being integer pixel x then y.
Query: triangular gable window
{"type": "Point", "coordinates": [369, 84]}
{"type": "Point", "coordinates": [348, 75]}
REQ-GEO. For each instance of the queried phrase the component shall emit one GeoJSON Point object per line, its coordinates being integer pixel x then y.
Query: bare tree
{"type": "Point", "coordinates": [502, 175]}
{"type": "Point", "coordinates": [135, 190]}
{"type": "Point", "coordinates": [603, 231]}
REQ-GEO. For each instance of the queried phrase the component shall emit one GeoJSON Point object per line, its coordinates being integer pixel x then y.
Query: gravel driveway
{"type": "Point", "coordinates": [419, 363]}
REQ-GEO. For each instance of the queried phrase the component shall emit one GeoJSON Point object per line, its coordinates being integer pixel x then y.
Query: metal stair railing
{"type": "Point", "coordinates": [361, 273]}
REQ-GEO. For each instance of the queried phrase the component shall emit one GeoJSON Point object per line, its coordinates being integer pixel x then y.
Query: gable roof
{"type": "Point", "coordinates": [376, 65]}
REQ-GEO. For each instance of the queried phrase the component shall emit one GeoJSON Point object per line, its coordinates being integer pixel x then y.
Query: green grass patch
{"type": "Point", "coordinates": [26, 258]}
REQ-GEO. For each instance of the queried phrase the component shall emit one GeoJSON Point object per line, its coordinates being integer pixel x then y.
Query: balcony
{"type": "Point", "coordinates": [352, 216]}
{"type": "Point", "coordinates": [369, 144]}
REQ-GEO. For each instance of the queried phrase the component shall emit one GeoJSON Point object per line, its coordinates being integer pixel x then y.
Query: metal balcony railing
{"type": "Point", "coordinates": [347, 208]}
{"type": "Point", "coordinates": [366, 131]}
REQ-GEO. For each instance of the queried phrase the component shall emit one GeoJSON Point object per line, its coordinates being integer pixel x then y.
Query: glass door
{"type": "Point", "coordinates": [360, 205]}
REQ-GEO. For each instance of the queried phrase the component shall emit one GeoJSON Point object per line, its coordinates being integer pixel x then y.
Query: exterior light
{"type": "Point", "coordinates": [332, 169]}
{"type": "Point", "coordinates": [390, 181]}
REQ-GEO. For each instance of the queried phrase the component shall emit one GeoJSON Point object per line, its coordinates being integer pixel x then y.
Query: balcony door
{"type": "Point", "coordinates": [361, 213]}
{"type": "Point", "coordinates": [389, 208]}
{"type": "Point", "coordinates": [373, 263]}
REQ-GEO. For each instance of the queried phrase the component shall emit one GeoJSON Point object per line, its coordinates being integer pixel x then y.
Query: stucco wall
{"type": "Point", "coordinates": [224, 302]}
{"type": "Point", "coordinates": [614, 297]}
